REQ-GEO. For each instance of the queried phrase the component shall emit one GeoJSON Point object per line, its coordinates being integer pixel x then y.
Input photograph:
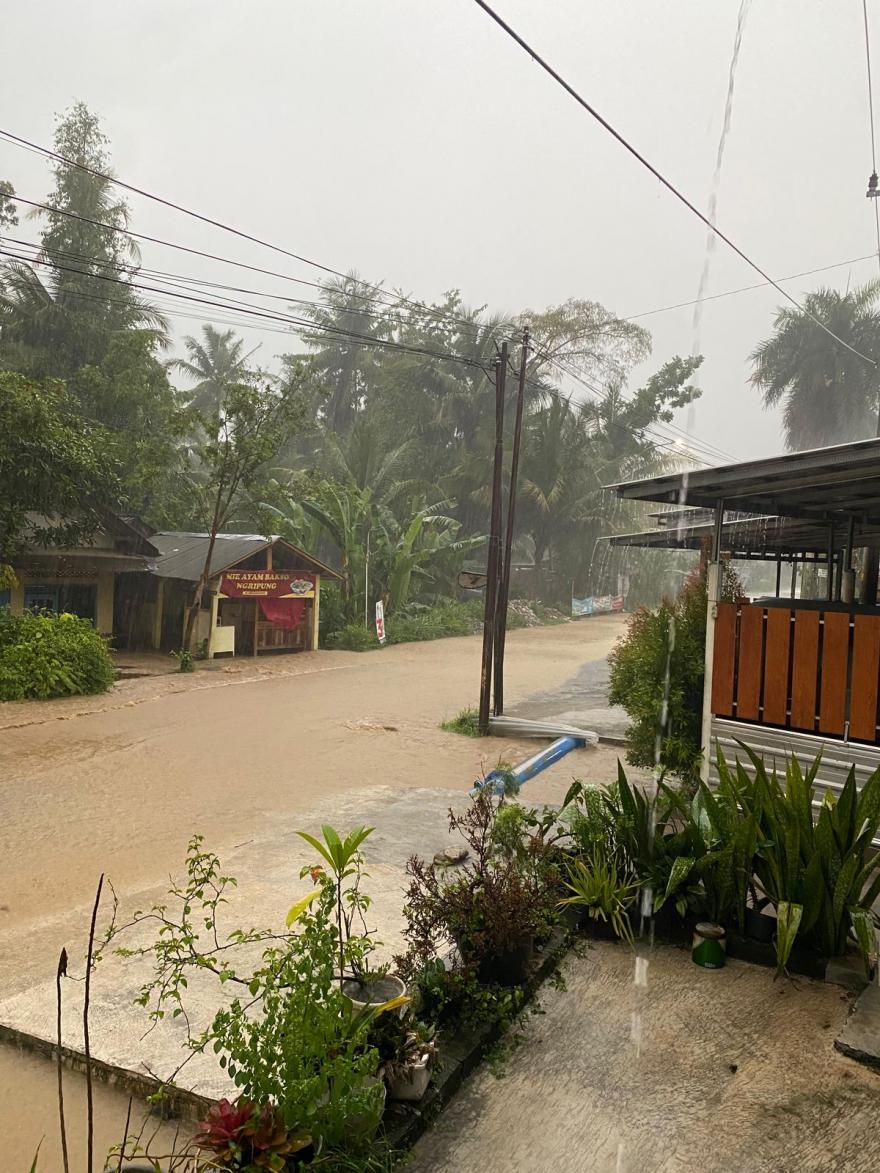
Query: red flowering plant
{"type": "Point", "coordinates": [242, 1138]}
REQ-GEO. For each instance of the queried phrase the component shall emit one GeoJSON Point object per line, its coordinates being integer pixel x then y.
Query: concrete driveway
{"type": "Point", "coordinates": [692, 1070]}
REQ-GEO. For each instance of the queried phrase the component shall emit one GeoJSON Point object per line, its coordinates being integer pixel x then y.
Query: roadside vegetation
{"type": "Point", "coordinates": [656, 675]}
{"type": "Point", "coordinates": [44, 656]}
{"type": "Point", "coordinates": [337, 1055]}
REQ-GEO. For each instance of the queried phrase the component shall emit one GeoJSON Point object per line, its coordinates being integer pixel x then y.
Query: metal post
{"type": "Point", "coordinates": [367, 582]}
{"type": "Point", "coordinates": [494, 546]}
{"type": "Point", "coordinates": [829, 563]}
{"type": "Point", "coordinates": [794, 562]}
{"type": "Point", "coordinates": [713, 593]}
{"type": "Point", "coordinates": [778, 574]}
{"type": "Point", "coordinates": [504, 584]}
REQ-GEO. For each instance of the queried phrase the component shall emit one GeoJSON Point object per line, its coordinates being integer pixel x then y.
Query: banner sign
{"type": "Point", "coordinates": [596, 605]}
{"type": "Point", "coordinates": [267, 584]}
{"type": "Point", "coordinates": [380, 622]}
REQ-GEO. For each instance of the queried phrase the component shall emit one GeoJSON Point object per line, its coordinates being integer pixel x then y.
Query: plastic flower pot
{"type": "Point", "coordinates": [508, 968]}
{"type": "Point", "coordinates": [374, 990]}
{"type": "Point", "coordinates": [411, 1082]}
{"type": "Point", "coordinates": [759, 926]}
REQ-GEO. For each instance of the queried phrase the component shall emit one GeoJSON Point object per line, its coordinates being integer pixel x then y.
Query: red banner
{"type": "Point", "coordinates": [267, 584]}
{"type": "Point", "coordinates": [285, 613]}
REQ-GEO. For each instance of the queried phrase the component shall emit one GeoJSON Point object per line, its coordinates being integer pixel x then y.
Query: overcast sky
{"type": "Point", "coordinates": [412, 140]}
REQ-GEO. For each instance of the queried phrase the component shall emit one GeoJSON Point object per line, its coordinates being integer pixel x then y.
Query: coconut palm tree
{"type": "Point", "coordinates": [215, 363]}
{"type": "Point", "coordinates": [828, 394]}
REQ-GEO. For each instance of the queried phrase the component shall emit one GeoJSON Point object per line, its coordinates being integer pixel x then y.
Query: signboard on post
{"type": "Point", "coordinates": [267, 584]}
{"type": "Point", "coordinates": [380, 622]}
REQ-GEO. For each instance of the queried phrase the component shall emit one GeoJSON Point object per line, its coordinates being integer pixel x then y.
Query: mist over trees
{"type": "Point", "coordinates": [385, 467]}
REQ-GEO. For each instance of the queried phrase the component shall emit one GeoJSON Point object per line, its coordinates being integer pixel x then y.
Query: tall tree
{"type": "Point", "coordinates": [8, 210]}
{"type": "Point", "coordinates": [828, 394]}
{"type": "Point", "coordinates": [62, 313]}
{"type": "Point", "coordinates": [55, 475]}
{"type": "Point", "coordinates": [254, 421]}
{"type": "Point", "coordinates": [215, 362]}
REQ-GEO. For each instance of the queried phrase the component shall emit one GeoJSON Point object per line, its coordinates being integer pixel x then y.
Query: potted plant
{"type": "Point", "coordinates": [606, 894]}
{"type": "Point", "coordinates": [241, 1136]}
{"type": "Point", "coordinates": [491, 909]}
{"type": "Point", "coordinates": [355, 942]}
{"type": "Point", "coordinates": [406, 1049]}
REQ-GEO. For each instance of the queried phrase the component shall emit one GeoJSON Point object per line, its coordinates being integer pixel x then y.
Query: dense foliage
{"type": "Point", "coordinates": [384, 469]}
{"type": "Point", "coordinates": [657, 671]}
{"type": "Point", "coordinates": [43, 656]}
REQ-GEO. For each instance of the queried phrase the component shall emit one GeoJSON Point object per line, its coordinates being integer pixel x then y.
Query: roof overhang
{"type": "Point", "coordinates": [824, 484]}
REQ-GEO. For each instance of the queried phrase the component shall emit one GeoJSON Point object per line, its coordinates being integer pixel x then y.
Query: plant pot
{"type": "Point", "coordinates": [373, 991]}
{"type": "Point", "coordinates": [710, 946]}
{"type": "Point", "coordinates": [603, 930]}
{"type": "Point", "coordinates": [412, 1082]}
{"type": "Point", "coordinates": [510, 968]}
{"type": "Point", "coordinates": [759, 926]}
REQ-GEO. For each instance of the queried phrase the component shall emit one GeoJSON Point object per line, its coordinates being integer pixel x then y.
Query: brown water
{"type": "Point", "coordinates": [119, 784]}
{"type": "Point", "coordinates": [28, 1093]}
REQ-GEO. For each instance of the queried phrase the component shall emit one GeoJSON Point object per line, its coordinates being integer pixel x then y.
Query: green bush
{"type": "Point", "coordinates": [418, 622]}
{"type": "Point", "coordinates": [43, 655]}
{"type": "Point", "coordinates": [465, 723]}
{"type": "Point", "coordinates": [671, 638]}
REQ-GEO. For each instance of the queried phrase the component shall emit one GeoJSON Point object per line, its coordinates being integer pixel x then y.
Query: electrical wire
{"type": "Point", "coordinates": [668, 184]}
{"type": "Point", "coordinates": [376, 290]}
{"type": "Point", "coordinates": [871, 117]}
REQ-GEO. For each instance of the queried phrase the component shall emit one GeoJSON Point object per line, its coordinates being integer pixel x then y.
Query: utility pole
{"type": "Point", "coordinates": [492, 565]}
{"type": "Point", "coordinates": [504, 584]}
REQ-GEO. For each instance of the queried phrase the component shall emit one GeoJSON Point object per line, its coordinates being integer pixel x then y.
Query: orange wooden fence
{"type": "Point", "coordinates": [809, 670]}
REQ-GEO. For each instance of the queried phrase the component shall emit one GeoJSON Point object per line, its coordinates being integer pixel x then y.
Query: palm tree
{"type": "Point", "coordinates": [215, 363]}
{"type": "Point", "coordinates": [828, 394]}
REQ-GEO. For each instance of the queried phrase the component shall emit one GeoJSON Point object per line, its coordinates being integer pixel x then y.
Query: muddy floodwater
{"type": "Point", "coordinates": [118, 784]}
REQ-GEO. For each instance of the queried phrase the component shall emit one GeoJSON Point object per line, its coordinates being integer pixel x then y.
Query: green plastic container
{"type": "Point", "coordinates": [710, 946]}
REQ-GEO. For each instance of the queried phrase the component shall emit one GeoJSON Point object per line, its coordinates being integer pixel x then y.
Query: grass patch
{"type": "Point", "coordinates": [464, 723]}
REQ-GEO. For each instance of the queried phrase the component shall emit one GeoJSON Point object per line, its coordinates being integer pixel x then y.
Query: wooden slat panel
{"type": "Point", "coordinates": [751, 639]}
{"type": "Point", "coordinates": [723, 660]}
{"type": "Point", "coordinates": [835, 661]}
{"type": "Point", "coordinates": [866, 660]}
{"type": "Point", "coordinates": [804, 669]}
{"type": "Point", "coordinates": [776, 666]}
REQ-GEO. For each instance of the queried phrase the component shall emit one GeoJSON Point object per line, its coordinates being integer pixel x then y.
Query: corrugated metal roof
{"type": "Point", "coordinates": [843, 480]}
{"type": "Point", "coordinates": [183, 554]}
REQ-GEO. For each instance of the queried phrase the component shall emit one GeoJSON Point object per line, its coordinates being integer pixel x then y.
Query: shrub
{"type": "Point", "coordinates": [353, 637]}
{"type": "Point", "coordinates": [464, 722]}
{"type": "Point", "coordinates": [43, 655]}
{"type": "Point", "coordinates": [666, 716]}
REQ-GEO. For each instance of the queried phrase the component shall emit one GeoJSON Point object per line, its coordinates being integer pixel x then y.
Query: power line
{"type": "Point", "coordinates": [591, 110]}
{"type": "Point", "coordinates": [871, 116]}
{"type": "Point", "coordinates": [207, 219]}
{"type": "Point", "coordinates": [303, 323]}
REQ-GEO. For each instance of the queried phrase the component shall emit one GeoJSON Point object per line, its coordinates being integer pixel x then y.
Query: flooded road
{"type": "Point", "coordinates": [118, 784]}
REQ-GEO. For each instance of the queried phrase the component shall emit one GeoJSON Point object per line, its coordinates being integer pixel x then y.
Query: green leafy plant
{"type": "Point", "coordinates": [657, 677]}
{"type": "Point", "coordinates": [290, 1039]}
{"type": "Point", "coordinates": [43, 655]}
{"type": "Point", "coordinates": [820, 875]}
{"type": "Point", "coordinates": [345, 861]}
{"type": "Point", "coordinates": [185, 660]}
{"type": "Point", "coordinates": [464, 722]}
{"type": "Point", "coordinates": [606, 894]}
{"type": "Point", "coordinates": [490, 908]}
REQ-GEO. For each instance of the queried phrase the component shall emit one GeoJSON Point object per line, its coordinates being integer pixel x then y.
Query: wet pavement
{"type": "Point", "coordinates": [582, 701]}
{"type": "Point", "coordinates": [693, 1071]}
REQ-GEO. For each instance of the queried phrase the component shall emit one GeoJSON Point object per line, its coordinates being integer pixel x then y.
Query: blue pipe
{"type": "Point", "coordinates": [531, 766]}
